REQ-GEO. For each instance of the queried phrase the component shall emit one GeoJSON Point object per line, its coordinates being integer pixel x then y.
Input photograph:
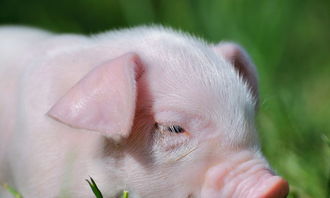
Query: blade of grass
{"type": "Point", "coordinates": [12, 191]}
{"type": "Point", "coordinates": [125, 194]}
{"type": "Point", "coordinates": [326, 140]}
{"type": "Point", "coordinates": [94, 188]}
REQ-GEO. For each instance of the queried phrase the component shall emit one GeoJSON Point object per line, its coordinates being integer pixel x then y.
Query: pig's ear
{"type": "Point", "coordinates": [242, 63]}
{"type": "Point", "coordinates": [104, 100]}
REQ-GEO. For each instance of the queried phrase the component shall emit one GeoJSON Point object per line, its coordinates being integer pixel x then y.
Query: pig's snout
{"type": "Point", "coordinates": [247, 179]}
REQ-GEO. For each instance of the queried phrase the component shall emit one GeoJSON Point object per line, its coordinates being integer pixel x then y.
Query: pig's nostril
{"type": "Point", "coordinates": [278, 188]}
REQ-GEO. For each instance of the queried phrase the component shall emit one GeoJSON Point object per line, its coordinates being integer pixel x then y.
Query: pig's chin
{"type": "Point", "coordinates": [179, 179]}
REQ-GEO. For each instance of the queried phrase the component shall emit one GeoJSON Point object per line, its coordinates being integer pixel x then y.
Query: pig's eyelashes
{"type": "Point", "coordinates": [175, 129]}
{"type": "Point", "coordinates": [171, 128]}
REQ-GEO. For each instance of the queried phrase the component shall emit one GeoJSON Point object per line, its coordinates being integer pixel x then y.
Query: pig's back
{"type": "Point", "coordinates": [15, 43]}
{"type": "Point", "coordinates": [34, 67]}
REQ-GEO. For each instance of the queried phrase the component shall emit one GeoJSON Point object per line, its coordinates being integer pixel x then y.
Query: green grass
{"type": "Point", "coordinates": [97, 191]}
{"type": "Point", "coordinates": [92, 184]}
{"type": "Point", "coordinates": [287, 39]}
{"type": "Point", "coordinates": [94, 188]}
{"type": "Point", "coordinates": [12, 191]}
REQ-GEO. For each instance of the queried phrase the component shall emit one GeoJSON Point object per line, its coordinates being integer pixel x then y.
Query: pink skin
{"type": "Point", "coordinates": [93, 104]}
{"type": "Point", "coordinates": [243, 175]}
{"type": "Point", "coordinates": [105, 107]}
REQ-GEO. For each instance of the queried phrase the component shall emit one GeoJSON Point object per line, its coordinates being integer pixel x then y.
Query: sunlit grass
{"type": "Point", "coordinates": [12, 191]}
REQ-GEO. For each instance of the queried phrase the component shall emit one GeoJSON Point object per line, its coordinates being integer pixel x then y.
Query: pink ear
{"type": "Point", "coordinates": [104, 100]}
{"type": "Point", "coordinates": [242, 63]}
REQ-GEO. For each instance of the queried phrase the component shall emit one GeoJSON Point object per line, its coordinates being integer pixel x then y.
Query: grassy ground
{"type": "Point", "coordinates": [288, 40]}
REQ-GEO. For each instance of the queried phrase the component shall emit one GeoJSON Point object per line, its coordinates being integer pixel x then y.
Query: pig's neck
{"type": "Point", "coordinates": [106, 165]}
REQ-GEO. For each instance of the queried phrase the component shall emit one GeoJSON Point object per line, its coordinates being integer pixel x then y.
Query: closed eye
{"type": "Point", "coordinates": [170, 137]}
{"type": "Point", "coordinates": [170, 128]}
{"type": "Point", "coordinates": [175, 129]}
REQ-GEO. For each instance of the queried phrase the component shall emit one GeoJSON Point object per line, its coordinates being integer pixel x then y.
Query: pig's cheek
{"type": "Point", "coordinates": [141, 135]}
{"type": "Point", "coordinates": [170, 147]}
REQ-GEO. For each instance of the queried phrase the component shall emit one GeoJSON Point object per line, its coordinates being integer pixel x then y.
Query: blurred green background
{"type": "Point", "coordinates": [289, 40]}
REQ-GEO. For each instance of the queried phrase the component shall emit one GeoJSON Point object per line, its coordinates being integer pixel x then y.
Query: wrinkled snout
{"type": "Point", "coordinates": [243, 178]}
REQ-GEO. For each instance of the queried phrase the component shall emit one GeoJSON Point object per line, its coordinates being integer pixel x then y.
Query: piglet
{"type": "Point", "coordinates": [150, 110]}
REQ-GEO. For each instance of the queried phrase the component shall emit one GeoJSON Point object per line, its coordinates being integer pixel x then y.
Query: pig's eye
{"type": "Point", "coordinates": [171, 128]}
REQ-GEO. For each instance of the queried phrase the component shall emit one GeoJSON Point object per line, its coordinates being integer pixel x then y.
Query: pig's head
{"type": "Point", "coordinates": [179, 122]}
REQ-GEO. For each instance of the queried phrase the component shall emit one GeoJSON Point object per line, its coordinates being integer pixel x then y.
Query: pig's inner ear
{"type": "Point", "coordinates": [242, 63]}
{"type": "Point", "coordinates": [104, 100]}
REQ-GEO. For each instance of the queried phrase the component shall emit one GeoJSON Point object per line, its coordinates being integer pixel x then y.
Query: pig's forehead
{"type": "Point", "coordinates": [195, 78]}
